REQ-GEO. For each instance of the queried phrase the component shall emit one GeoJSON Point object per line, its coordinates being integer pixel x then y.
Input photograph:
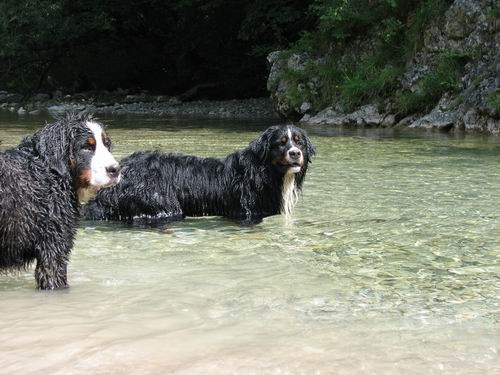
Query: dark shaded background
{"type": "Point", "coordinates": [217, 47]}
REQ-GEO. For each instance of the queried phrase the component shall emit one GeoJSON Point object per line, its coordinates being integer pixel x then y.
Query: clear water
{"type": "Point", "coordinates": [389, 266]}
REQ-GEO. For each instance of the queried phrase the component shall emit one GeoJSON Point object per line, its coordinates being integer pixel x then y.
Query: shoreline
{"type": "Point", "coordinates": [142, 104]}
{"type": "Point", "coordinates": [120, 103]}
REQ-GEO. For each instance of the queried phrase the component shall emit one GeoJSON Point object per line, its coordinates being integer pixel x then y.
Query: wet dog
{"type": "Point", "coordinates": [261, 180]}
{"type": "Point", "coordinates": [42, 183]}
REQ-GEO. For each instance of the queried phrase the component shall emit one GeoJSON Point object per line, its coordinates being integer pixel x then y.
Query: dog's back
{"type": "Point", "coordinates": [261, 180]}
{"type": "Point", "coordinates": [25, 186]}
{"type": "Point", "coordinates": [165, 186]}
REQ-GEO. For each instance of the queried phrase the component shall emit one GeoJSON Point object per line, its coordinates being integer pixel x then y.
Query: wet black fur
{"type": "Point", "coordinates": [38, 200]}
{"type": "Point", "coordinates": [245, 185]}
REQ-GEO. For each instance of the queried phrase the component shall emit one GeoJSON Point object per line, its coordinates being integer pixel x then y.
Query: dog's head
{"type": "Point", "coordinates": [93, 164]}
{"type": "Point", "coordinates": [286, 148]}
{"type": "Point", "coordinates": [77, 146]}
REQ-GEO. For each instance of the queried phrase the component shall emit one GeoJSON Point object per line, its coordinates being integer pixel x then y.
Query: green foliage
{"type": "Point", "coordinates": [351, 84]}
{"type": "Point", "coordinates": [272, 24]}
{"type": "Point", "coordinates": [495, 11]}
{"type": "Point", "coordinates": [417, 23]}
{"type": "Point", "coordinates": [369, 83]}
{"type": "Point", "coordinates": [36, 33]}
{"type": "Point", "coordinates": [494, 100]}
{"type": "Point", "coordinates": [395, 28]}
{"type": "Point", "coordinates": [342, 19]}
{"type": "Point", "coordinates": [392, 29]}
{"type": "Point", "coordinates": [167, 46]}
{"type": "Point", "coordinates": [443, 78]}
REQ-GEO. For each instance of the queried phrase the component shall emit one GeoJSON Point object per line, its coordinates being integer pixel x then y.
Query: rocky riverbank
{"type": "Point", "coordinates": [121, 103]}
{"type": "Point", "coordinates": [428, 94]}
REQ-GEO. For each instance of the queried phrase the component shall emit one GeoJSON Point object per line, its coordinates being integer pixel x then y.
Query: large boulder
{"type": "Point", "coordinates": [280, 87]}
{"type": "Point", "coordinates": [469, 27]}
{"type": "Point", "coordinates": [367, 115]}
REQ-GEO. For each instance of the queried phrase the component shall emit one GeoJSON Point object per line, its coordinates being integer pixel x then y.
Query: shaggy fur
{"type": "Point", "coordinates": [40, 184]}
{"type": "Point", "coordinates": [261, 180]}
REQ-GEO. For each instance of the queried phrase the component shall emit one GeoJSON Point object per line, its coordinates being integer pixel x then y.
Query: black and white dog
{"type": "Point", "coordinates": [42, 183]}
{"type": "Point", "coordinates": [261, 180]}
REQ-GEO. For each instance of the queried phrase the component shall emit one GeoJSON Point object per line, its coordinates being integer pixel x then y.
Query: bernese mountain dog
{"type": "Point", "coordinates": [42, 183]}
{"type": "Point", "coordinates": [261, 180]}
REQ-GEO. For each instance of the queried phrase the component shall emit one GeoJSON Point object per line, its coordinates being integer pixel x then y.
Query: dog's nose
{"type": "Point", "coordinates": [113, 171]}
{"type": "Point", "coordinates": [294, 154]}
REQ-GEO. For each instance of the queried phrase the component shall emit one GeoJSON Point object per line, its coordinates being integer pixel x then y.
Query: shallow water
{"type": "Point", "coordinates": [390, 266]}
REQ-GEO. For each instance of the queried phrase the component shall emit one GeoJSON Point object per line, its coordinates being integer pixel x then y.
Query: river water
{"type": "Point", "coordinates": [389, 266]}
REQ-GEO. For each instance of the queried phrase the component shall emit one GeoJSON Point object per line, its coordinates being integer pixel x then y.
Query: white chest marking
{"type": "Point", "coordinates": [289, 195]}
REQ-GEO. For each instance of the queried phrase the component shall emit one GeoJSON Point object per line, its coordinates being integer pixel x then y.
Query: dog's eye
{"type": "Point", "coordinates": [296, 139]}
{"type": "Point", "coordinates": [283, 140]}
{"type": "Point", "coordinates": [90, 144]}
{"type": "Point", "coordinates": [107, 143]}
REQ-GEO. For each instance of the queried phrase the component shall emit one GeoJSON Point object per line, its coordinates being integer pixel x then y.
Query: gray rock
{"type": "Point", "coordinates": [305, 107]}
{"type": "Point", "coordinates": [298, 61]}
{"type": "Point", "coordinates": [64, 108]}
{"type": "Point", "coordinates": [326, 116]}
{"type": "Point", "coordinates": [21, 111]}
{"type": "Point", "coordinates": [10, 97]}
{"type": "Point", "coordinates": [388, 121]}
{"type": "Point", "coordinates": [467, 28]}
{"type": "Point", "coordinates": [436, 119]}
{"type": "Point", "coordinates": [367, 115]}
{"type": "Point", "coordinates": [41, 97]}
{"type": "Point", "coordinates": [174, 101]}
{"type": "Point", "coordinates": [36, 112]}
{"type": "Point", "coordinates": [279, 87]}
{"type": "Point", "coordinates": [274, 60]}
{"type": "Point", "coordinates": [473, 120]}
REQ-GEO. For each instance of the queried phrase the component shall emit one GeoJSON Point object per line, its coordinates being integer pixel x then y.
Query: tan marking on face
{"type": "Point", "coordinates": [91, 141]}
{"type": "Point", "coordinates": [86, 194]}
{"type": "Point", "coordinates": [85, 177]}
{"type": "Point", "coordinates": [84, 190]}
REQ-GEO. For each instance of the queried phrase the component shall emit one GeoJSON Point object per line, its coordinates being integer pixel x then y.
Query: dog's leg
{"type": "Point", "coordinates": [51, 272]}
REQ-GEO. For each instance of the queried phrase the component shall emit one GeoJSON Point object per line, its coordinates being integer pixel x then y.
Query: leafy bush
{"type": "Point", "coordinates": [34, 34]}
{"type": "Point", "coordinates": [368, 83]}
{"type": "Point", "coordinates": [495, 11]}
{"type": "Point", "coordinates": [167, 46]}
{"type": "Point", "coordinates": [418, 21]}
{"type": "Point", "coordinates": [494, 100]}
{"type": "Point", "coordinates": [443, 78]}
{"type": "Point", "coordinates": [395, 27]}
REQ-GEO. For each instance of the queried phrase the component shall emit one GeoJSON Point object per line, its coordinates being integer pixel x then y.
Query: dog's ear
{"type": "Point", "coordinates": [261, 145]}
{"type": "Point", "coordinates": [310, 149]}
{"type": "Point", "coordinates": [52, 144]}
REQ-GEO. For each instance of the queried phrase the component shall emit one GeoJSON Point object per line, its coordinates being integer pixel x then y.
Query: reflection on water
{"type": "Point", "coordinates": [390, 265]}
